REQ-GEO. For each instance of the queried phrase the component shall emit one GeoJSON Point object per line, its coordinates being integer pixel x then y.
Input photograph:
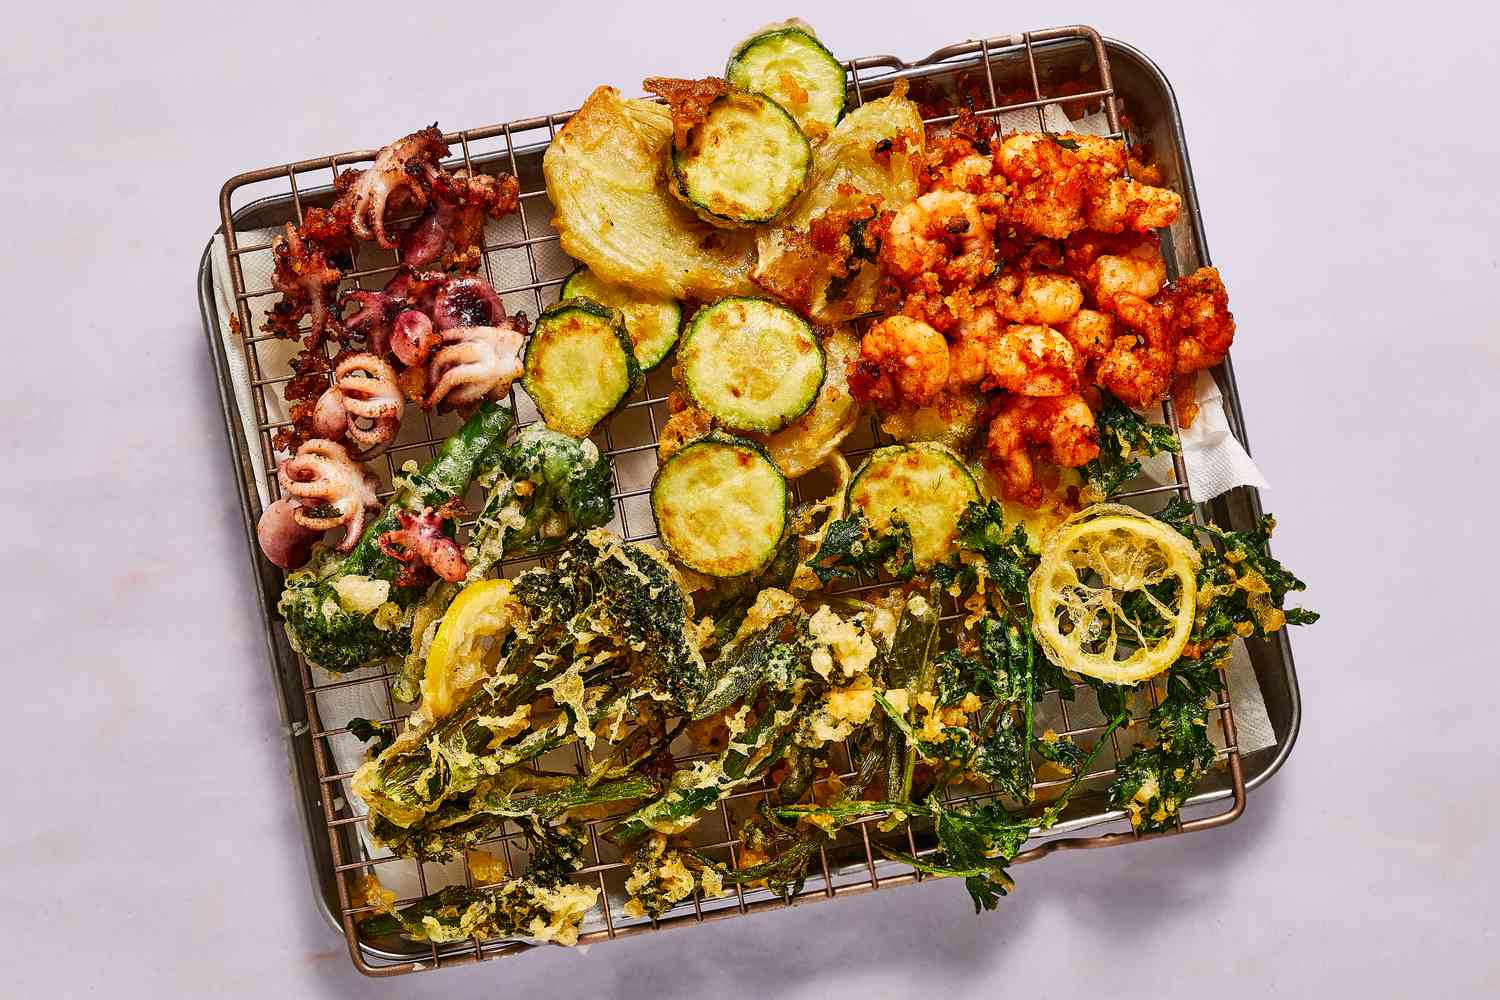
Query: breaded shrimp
{"type": "Point", "coordinates": [1048, 299]}
{"type": "Point", "coordinates": [942, 233]}
{"type": "Point", "coordinates": [900, 360]}
{"type": "Point", "coordinates": [1122, 203]}
{"type": "Point", "coordinates": [1200, 310]}
{"type": "Point", "coordinates": [972, 341]}
{"type": "Point", "coordinates": [1113, 264]}
{"type": "Point", "coordinates": [1091, 333]}
{"type": "Point", "coordinates": [1032, 360]}
{"type": "Point", "coordinates": [1057, 429]}
{"type": "Point", "coordinates": [1139, 365]}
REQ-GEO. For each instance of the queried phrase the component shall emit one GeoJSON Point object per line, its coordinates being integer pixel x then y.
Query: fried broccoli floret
{"type": "Point", "coordinates": [344, 612]}
{"type": "Point", "coordinates": [544, 486]}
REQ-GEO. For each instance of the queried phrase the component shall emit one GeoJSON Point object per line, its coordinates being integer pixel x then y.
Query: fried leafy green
{"type": "Point", "coordinates": [1125, 438]}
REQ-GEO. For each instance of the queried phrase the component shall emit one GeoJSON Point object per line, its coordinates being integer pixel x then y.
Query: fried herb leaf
{"type": "Point", "coordinates": [852, 547]}
{"type": "Point", "coordinates": [1124, 438]}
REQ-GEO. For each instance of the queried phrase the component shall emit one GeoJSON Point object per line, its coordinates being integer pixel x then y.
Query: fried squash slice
{"type": "Point", "coordinates": [614, 214]}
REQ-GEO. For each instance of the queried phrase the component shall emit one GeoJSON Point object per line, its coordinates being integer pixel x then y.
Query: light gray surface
{"type": "Point", "coordinates": [148, 844]}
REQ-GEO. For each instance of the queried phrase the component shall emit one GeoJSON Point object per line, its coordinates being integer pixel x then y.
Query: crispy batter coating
{"type": "Point", "coordinates": [1200, 310]}
{"type": "Point", "coordinates": [943, 234]}
{"type": "Point", "coordinates": [900, 359]}
{"type": "Point", "coordinates": [1057, 429]}
{"type": "Point", "coordinates": [1032, 360]}
{"type": "Point", "coordinates": [688, 100]}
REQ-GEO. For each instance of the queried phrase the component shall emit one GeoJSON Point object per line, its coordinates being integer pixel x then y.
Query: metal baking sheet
{"type": "Point", "coordinates": [1038, 58]}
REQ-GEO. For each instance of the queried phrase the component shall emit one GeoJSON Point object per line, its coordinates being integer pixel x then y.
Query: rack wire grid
{"type": "Point", "coordinates": [527, 267]}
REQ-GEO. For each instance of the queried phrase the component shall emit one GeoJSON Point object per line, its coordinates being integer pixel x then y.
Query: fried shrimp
{"type": "Point", "coordinates": [1057, 429]}
{"type": "Point", "coordinates": [1123, 203]}
{"type": "Point", "coordinates": [1115, 264]}
{"type": "Point", "coordinates": [1064, 183]}
{"type": "Point", "coordinates": [1139, 364]}
{"type": "Point", "coordinates": [944, 234]}
{"type": "Point", "coordinates": [1091, 333]}
{"type": "Point", "coordinates": [1032, 360]}
{"type": "Point", "coordinates": [1200, 311]}
{"type": "Point", "coordinates": [900, 359]}
{"type": "Point", "coordinates": [1048, 299]}
{"type": "Point", "coordinates": [972, 341]}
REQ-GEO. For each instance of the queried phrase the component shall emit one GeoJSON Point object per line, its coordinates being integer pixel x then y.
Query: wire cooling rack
{"type": "Point", "coordinates": [1015, 73]}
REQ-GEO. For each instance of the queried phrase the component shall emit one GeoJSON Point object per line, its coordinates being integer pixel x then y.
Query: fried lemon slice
{"type": "Point", "coordinates": [1115, 594]}
{"type": "Point", "coordinates": [458, 658]}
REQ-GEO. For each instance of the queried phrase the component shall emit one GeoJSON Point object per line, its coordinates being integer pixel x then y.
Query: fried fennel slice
{"type": "Point", "coordinates": [614, 214]}
{"type": "Point", "coordinates": [869, 163]}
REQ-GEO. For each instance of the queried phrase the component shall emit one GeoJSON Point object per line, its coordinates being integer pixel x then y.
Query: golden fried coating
{"type": "Point", "coordinates": [900, 359]}
{"type": "Point", "coordinates": [942, 235]}
{"type": "Point", "coordinates": [1032, 360]}
{"type": "Point", "coordinates": [1200, 311]}
{"type": "Point", "coordinates": [1139, 364]}
{"type": "Point", "coordinates": [1057, 429]}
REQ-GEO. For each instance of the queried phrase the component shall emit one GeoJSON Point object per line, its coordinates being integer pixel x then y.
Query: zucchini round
{"type": "Point", "coordinates": [803, 444]}
{"type": "Point", "coordinates": [580, 365]}
{"type": "Point", "coordinates": [752, 363]}
{"type": "Point", "coordinates": [721, 506]}
{"type": "Point", "coordinates": [789, 65]}
{"type": "Point", "coordinates": [744, 164]}
{"type": "Point", "coordinates": [653, 321]}
{"type": "Point", "coordinates": [925, 485]}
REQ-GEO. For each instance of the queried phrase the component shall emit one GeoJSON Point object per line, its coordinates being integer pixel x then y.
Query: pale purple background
{"type": "Point", "coordinates": [1346, 164]}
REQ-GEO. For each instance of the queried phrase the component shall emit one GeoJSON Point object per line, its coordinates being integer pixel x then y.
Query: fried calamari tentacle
{"type": "Point", "coordinates": [422, 544]}
{"type": "Point", "coordinates": [307, 280]}
{"type": "Point", "coordinates": [329, 488]}
{"type": "Point", "coordinates": [399, 178]}
{"type": "Point", "coordinates": [1057, 429]}
{"type": "Point", "coordinates": [448, 234]}
{"type": "Point", "coordinates": [363, 405]}
{"type": "Point", "coordinates": [475, 363]}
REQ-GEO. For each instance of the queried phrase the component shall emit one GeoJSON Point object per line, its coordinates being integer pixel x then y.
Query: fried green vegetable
{"type": "Point", "coordinates": [343, 612]}
{"type": "Point", "coordinates": [544, 486]}
{"type": "Point", "coordinates": [1124, 439]}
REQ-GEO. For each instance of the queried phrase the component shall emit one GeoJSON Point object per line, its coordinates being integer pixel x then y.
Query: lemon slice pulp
{"type": "Point", "coordinates": [457, 658]}
{"type": "Point", "coordinates": [1114, 594]}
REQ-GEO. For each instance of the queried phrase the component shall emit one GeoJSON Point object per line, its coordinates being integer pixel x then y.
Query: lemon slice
{"type": "Point", "coordinates": [1098, 602]}
{"type": "Point", "coordinates": [456, 660]}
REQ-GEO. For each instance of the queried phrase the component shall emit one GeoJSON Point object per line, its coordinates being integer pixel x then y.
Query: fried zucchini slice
{"type": "Point", "coordinates": [580, 365]}
{"type": "Point", "coordinates": [614, 216]}
{"type": "Point", "coordinates": [743, 164]}
{"type": "Point", "coordinates": [653, 321]}
{"type": "Point", "coordinates": [721, 506]}
{"type": "Point", "coordinates": [787, 63]}
{"type": "Point", "coordinates": [875, 151]}
{"type": "Point", "coordinates": [752, 363]}
{"type": "Point", "coordinates": [802, 445]}
{"type": "Point", "coordinates": [926, 486]}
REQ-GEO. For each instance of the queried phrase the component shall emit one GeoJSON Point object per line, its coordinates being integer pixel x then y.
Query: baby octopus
{"type": "Point", "coordinates": [421, 542]}
{"type": "Point", "coordinates": [363, 404]}
{"type": "Point", "coordinates": [399, 178]}
{"type": "Point", "coordinates": [475, 363]}
{"type": "Point", "coordinates": [325, 488]}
